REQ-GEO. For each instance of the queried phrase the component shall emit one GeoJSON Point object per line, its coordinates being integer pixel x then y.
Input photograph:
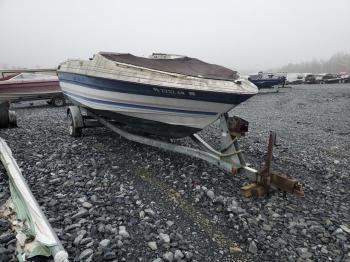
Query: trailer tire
{"type": "Point", "coordinates": [73, 130]}
{"type": "Point", "coordinates": [12, 119]}
{"type": "Point", "coordinates": [58, 101]}
{"type": "Point", "coordinates": [4, 117]}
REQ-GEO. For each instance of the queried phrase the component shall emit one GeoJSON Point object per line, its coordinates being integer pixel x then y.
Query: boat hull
{"type": "Point", "coordinates": [18, 91]}
{"type": "Point", "coordinates": [137, 125]}
{"type": "Point", "coordinates": [149, 99]}
{"type": "Point", "coordinates": [157, 110]}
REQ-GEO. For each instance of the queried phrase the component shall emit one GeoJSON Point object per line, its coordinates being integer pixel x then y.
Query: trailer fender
{"type": "Point", "coordinates": [77, 118]}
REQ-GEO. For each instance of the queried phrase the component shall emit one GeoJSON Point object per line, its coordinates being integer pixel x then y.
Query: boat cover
{"type": "Point", "coordinates": [183, 65]}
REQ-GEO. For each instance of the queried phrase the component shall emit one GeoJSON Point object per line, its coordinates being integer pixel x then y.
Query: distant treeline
{"type": "Point", "coordinates": [337, 63]}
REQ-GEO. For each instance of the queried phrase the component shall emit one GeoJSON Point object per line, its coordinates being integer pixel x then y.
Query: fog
{"type": "Point", "coordinates": [243, 35]}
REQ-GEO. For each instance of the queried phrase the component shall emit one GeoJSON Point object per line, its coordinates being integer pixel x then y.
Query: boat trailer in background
{"type": "Point", "coordinates": [230, 158]}
{"type": "Point", "coordinates": [35, 236]}
{"type": "Point", "coordinates": [7, 117]}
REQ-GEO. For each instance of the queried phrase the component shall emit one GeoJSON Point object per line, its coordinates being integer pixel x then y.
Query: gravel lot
{"type": "Point", "coordinates": [111, 199]}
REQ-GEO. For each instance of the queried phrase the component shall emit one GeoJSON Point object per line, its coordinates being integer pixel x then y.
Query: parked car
{"type": "Point", "coordinates": [330, 78]}
{"type": "Point", "coordinates": [310, 79]}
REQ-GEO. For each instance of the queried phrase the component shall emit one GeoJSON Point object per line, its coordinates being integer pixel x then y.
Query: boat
{"type": "Point", "coordinates": [167, 95]}
{"type": "Point", "coordinates": [24, 86]}
{"type": "Point", "coordinates": [295, 78]}
{"type": "Point", "coordinates": [267, 80]}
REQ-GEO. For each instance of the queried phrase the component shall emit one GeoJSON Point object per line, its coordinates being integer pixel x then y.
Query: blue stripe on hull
{"type": "Point", "coordinates": [136, 106]}
{"type": "Point", "coordinates": [151, 90]}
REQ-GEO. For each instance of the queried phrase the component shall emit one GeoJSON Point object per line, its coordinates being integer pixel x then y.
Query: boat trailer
{"type": "Point", "coordinates": [230, 158]}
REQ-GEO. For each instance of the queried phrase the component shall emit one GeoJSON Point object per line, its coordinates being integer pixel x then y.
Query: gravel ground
{"type": "Point", "coordinates": [112, 199]}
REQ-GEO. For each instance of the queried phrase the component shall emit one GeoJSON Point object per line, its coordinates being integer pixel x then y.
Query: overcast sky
{"type": "Point", "coordinates": [240, 34]}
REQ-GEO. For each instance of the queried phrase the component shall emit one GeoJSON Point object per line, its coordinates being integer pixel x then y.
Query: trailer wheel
{"type": "Point", "coordinates": [12, 119]}
{"type": "Point", "coordinates": [58, 101]}
{"type": "Point", "coordinates": [4, 117]}
{"type": "Point", "coordinates": [73, 130]}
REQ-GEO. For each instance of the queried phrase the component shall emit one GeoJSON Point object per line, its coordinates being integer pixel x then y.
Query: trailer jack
{"type": "Point", "coordinates": [266, 179]}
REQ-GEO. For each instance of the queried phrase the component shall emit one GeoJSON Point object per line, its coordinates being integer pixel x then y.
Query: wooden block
{"type": "Point", "coordinates": [253, 190]}
{"type": "Point", "coordinates": [259, 191]}
{"type": "Point", "coordinates": [247, 191]}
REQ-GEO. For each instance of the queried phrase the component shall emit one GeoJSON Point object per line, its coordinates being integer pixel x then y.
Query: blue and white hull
{"type": "Point", "coordinates": [146, 104]}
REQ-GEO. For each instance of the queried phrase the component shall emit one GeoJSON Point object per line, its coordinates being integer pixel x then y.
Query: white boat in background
{"type": "Point", "coordinates": [168, 95]}
{"type": "Point", "coordinates": [295, 78]}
